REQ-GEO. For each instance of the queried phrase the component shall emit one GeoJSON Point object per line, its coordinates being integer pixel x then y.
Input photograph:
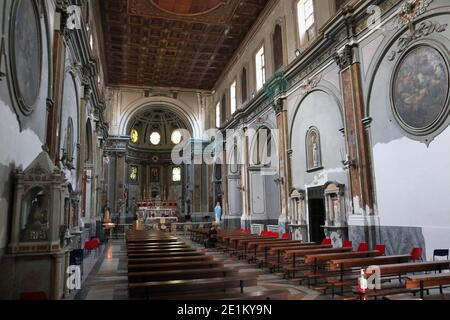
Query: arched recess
{"type": "Point", "coordinates": [233, 177]}
{"type": "Point", "coordinates": [264, 190]}
{"type": "Point", "coordinates": [319, 109]}
{"type": "Point", "coordinates": [324, 87]}
{"type": "Point", "coordinates": [176, 106]}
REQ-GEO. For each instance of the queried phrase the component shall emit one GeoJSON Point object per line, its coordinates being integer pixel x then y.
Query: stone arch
{"type": "Point", "coordinates": [176, 106]}
{"type": "Point", "coordinates": [298, 104]}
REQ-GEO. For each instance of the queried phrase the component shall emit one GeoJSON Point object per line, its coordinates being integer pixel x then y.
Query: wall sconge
{"type": "Point", "coordinates": [297, 53]}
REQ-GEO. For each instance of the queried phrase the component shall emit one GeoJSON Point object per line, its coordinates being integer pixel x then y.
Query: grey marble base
{"type": "Point", "coordinates": [398, 240]}
{"type": "Point", "coordinates": [231, 223]}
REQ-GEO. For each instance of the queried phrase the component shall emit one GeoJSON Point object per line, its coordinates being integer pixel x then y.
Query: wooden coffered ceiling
{"type": "Point", "coordinates": [173, 43]}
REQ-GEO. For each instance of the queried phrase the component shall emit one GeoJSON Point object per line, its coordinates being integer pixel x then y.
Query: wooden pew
{"type": "Point", "coordinates": [400, 270]}
{"type": "Point", "coordinates": [167, 288]}
{"type": "Point", "coordinates": [427, 281]}
{"type": "Point", "coordinates": [163, 254]}
{"type": "Point", "coordinates": [166, 275]}
{"type": "Point", "coordinates": [151, 240]}
{"type": "Point", "coordinates": [175, 266]}
{"type": "Point", "coordinates": [163, 249]}
{"type": "Point", "coordinates": [157, 245]}
{"type": "Point", "coordinates": [278, 251]}
{"type": "Point", "coordinates": [169, 259]}
{"type": "Point", "coordinates": [262, 246]}
{"type": "Point", "coordinates": [301, 253]}
{"type": "Point", "coordinates": [276, 294]}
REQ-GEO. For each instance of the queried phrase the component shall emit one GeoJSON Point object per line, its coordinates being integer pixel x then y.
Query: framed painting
{"type": "Point", "coordinates": [26, 53]}
{"type": "Point", "coordinates": [420, 89]}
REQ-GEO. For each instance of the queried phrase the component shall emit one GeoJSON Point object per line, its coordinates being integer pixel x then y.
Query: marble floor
{"type": "Point", "coordinates": [107, 275]}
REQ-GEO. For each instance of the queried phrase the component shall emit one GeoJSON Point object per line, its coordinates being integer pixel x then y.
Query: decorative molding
{"type": "Point", "coordinates": [309, 84]}
{"type": "Point", "coordinates": [344, 58]}
{"type": "Point", "coordinates": [424, 29]}
{"type": "Point", "coordinates": [408, 13]}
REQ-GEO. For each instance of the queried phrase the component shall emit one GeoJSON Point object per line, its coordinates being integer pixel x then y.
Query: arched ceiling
{"type": "Point", "coordinates": [157, 120]}
{"type": "Point", "coordinates": [173, 43]}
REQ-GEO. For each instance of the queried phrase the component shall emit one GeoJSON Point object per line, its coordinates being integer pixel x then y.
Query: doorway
{"type": "Point", "coordinates": [316, 208]}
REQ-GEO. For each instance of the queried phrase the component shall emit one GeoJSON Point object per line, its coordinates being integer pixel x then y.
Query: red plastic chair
{"type": "Point", "coordinates": [274, 234]}
{"type": "Point", "coordinates": [326, 241]}
{"type": "Point", "coordinates": [247, 231]}
{"type": "Point", "coordinates": [347, 244]}
{"type": "Point", "coordinates": [363, 247]}
{"type": "Point", "coordinates": [381, 248]}
{"type": "Point", "coordinates": [286, 236]}
{"type": "Point", "coordinates": [33, 296]}
{"type": "Point", "coordinates": [90, 245]}
{"type": "Point", "coordinates": [264, 233]}
{"type": "Point", "coordinates": [416, 254]}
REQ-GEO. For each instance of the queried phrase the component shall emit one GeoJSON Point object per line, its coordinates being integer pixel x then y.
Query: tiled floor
{"type": "Point", "coordinates": [107, 278]}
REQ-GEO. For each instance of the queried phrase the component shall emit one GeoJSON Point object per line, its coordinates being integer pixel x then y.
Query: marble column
{"type": "Point", "coordinates": [246, 212]}
{"type": "Point", "coordinates": [284, 169]}
{"type": "Point", "coordinates": [116, 148]}
{"type": "Point", "coordinates": [358, 148]}
{"type": "Point", "coordinates": [361, 184]}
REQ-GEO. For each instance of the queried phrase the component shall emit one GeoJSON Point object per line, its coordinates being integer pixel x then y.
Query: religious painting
{"type": "Point", "coordinates": [313, 152]}
{"type": "Point", "coordinates": [27, 53]}
{"type": "Point", "coordinates": [134, 173]}
{"type": "Point", "coordinates": [420, 89]}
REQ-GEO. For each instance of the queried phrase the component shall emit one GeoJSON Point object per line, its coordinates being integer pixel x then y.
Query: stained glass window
{"type": "Point", "coordinates": [155, 138]}
{"type": "Point", "coordinates": [134, 136]}
{"type": "Point", "coordinates": [176, 174]}
{"type": "Point", "coordinates": [176, 137]}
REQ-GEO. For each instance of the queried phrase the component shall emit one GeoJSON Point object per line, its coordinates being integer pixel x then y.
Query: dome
{"type": "Point", "coordinates": [155, 129]}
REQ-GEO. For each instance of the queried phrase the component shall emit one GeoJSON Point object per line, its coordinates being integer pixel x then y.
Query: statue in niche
{"type": "Point", "coordinates": [37, 224]}
{"type": "Point", "coordinates": [315, 152]}
{"type": "Point", "coordinates": [314, 160]}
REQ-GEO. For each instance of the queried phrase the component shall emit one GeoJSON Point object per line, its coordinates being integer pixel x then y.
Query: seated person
{"type": "Point", "coordinates": [211, 241]}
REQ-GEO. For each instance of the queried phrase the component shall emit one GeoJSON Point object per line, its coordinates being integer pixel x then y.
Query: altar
{"type": "Point", "coordinates": [157, 214]}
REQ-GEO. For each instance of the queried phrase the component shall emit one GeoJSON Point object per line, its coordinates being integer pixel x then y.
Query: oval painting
{"type": "Point", "coordinates": [420, 88]}
{"type": "Point", "coordinates": [27, 52]}
{"type": "Point", "coordinates": [188, 7]}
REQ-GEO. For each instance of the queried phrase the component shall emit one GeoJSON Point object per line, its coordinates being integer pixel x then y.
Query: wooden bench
{"type": "Point", "coordinates": [175, 266]}
{"type": "Point", "coordinates": [294, 254]}
{"type": "Point", "coordinates": [169, 259]}
{"type": "Point", "coordinates": [158, 289]}
{"type": "Point", "coordinates": [427, 281]}
{"type": "Point", "coordinates": [146, 276]}
{"type": "Point", "coordinates": [263, 246]}
{"type": "Point", "coordinates": [279, 250]}
{"type": "Point", "coordinates": [399, 270]}
{"type": "Point", "coordinates": [156, 250]}
{"type": "Point", "coordinates": [163, 254]}
{"type": "Point", "coordinates": [157, 245]}
{"type": "Point", "coordinates": [276, 294]}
